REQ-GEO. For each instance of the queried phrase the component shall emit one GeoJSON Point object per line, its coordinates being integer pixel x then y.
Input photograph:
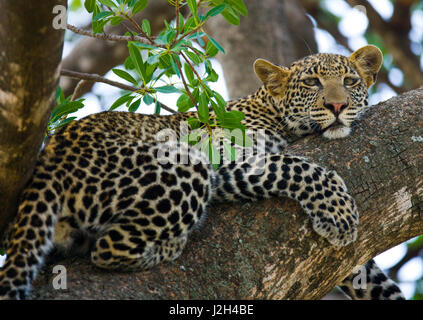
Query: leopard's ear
{"type": "Point", "coordinates": [368, 61]}
{"type": "Point", "coordinates": [273, 77]}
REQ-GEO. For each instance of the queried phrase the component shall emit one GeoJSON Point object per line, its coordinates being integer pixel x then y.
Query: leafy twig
{"type": "Point", "coordinates": [111, 37]}
{"type": "Point", "coordinates": [98, 78]}
{"type": "Point", "coordinates": [139, 30]}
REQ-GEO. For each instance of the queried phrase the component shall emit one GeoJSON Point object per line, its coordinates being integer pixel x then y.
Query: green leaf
{"type": "Point", "coordinates": [193, 57]}
{"type": "Point", "coordinates": [135, 55]}
{"type": "Point", "coordinates": [181, 23]}
{"type": "Point", "coordinates": [115, 21]}
{"type": "Point", "coordinates": [89, 5]}
{"type": "Point", "coordinates": [139, 5]}
{"type": "Point", "coordinates": [220, 100]}
{"type": "Point", "coordinates": [189, 24]}
{"type": "Point", "coordinates": [194, 123]}
{"type": "Point", "coordinates": [235, 114]}
{"type": "Point", "coordinates": [189, 73]}
{"type": "Point", "coordinates": [65, 109]}
{"type": "Point", "coordinates": [121, 101]}
{"type": "Point", "coordinates": [211, 49]}
{"type": "Point", "coordinates": [153, 59]}
{"type": "Point", "coordinates": [60, 96]}
{"type": "Point", "coordinates": [108, 3]}
{"type": "Point", "coordinates": [192, 4]}
{"type": "Point", "coordinates": [102, 15]}
{"type": "Point", "coordinates": [165, 62]}
{"type": "Point", "coordinates": [213, 76]}
{"type": "Point", "coordinates": [145, 26]}
{"type": "Point", "coordinates": [125, 75]}
{"type": "Point", "coordinates": [148, 99]}
{"type": "Point", "coordinates": [203, 110]}
{"type": "Point", "coordinates": [217, 110]}
{"type": "Point", "coordinates": [199, 39]}
{"type": "Point", "coordinates": [239, 6]}
{"type": "Point", "coordinates": [231, 121]}
{"type": "Point", "coordinates": [167, 89]}
{"type": "Point", "coordinates": [170, 36]}
{"type": "Point", "coordinates": [157, 107]}
{"type": "Point", "coordinates": [149, 71]}
{"type": "Point", "coordinates": [174, 66]}
{"type": "Point", "coordinates": [128, 65]}
{"type": "Point", "coordinates": [216, 44]}
{"type": "Point", "coordinates": [134, 106]}
{"type": "Point", "coordinates": [215, 11]}
{"type": "Point", "coordinates": [65, 122]}
{"type": "Point", "coordinates": [231, 16]}
{"type": "Point", "coordinates": [145, 46]}
{"type": "Point", "coordinates": [184, 103]}
{"type": "Point", "coordinates": [98, 26]}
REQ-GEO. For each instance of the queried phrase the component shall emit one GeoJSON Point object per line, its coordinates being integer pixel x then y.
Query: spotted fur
{"type": "Point", "coordinates": [107, 178]}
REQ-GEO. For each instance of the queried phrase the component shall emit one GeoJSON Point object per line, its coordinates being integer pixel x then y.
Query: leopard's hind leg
{"type": "Point", "coordinates": [127, 247]}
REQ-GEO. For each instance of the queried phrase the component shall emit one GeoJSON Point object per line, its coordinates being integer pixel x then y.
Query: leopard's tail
{"type": "Point", "coordinates": [29, 239]}
{"type": "Point", "coordinates": [370, 283]}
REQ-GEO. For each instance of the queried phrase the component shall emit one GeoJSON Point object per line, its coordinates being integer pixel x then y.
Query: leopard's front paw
{"type": "Point", "coordinates": [333, 211]}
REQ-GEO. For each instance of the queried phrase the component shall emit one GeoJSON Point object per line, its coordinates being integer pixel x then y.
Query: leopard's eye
{"type": "Point", "coordinates": [348, 81]}
{"type": "Point", "coordinates": [311, 82]}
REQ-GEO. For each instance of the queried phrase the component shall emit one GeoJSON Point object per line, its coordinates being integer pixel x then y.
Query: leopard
{"type": "Point", "coordinates": [107, 186]}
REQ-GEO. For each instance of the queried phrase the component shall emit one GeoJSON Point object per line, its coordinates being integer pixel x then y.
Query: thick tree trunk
{"type": "Point", "coordinates": [278, 31]}
{"type": "Point", "coordinates": [29, 72]}
{"type": "Point", "coordinates": [267, 250]}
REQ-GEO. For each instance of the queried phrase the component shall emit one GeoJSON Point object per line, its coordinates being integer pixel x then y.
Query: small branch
{"type": "Point", "coordinates": [78, 88]}
{"type": "Point", "coordinates": [139, 29]}
{"type": "Point", "coordinates": [193, 69]}
{"type": "Point", "coordinates": [177, 18]}
{"type": "Point", "coordinates": [111, 37]}
{"type": "Point", "coordinates": [185, 85]}
{"type": "Point", "coordinates": [98, 78]}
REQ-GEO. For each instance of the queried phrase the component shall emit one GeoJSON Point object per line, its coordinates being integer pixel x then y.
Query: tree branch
{"type": "Point", "coordinates": [104, 36]}
{"type": "Point", "coordinates": [267, 249]}
{"type": "Point", "coordinates": [98, 78]}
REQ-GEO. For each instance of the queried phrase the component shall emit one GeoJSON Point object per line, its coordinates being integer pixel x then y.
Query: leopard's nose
{"type": "Point", "coordinates": [335, 107]}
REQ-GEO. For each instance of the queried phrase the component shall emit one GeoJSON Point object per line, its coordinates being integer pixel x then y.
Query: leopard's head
{"type": "Point", "coordinates": [323, 92]}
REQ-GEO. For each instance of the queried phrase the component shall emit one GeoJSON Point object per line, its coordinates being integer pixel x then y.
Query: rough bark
{"type": "Point", "coordinates": [267, 249]}
{"type": "Point", "coordinates": [29, 71]}
{"type": "Point", "coordinates": [99, 56]}
{"type": "Point", "coordinates": [278, 31]}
